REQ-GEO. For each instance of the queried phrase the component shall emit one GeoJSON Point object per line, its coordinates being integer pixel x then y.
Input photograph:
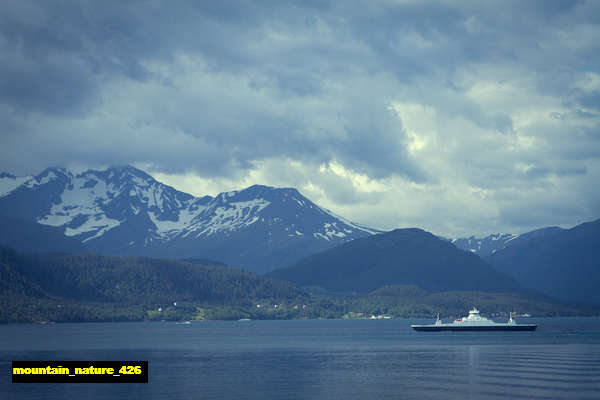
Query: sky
{"type": "Point", "coordinates": [459, 117]}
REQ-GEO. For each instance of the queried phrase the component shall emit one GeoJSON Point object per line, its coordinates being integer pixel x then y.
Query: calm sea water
{"type": "Point", "coordinates": [322, 359]}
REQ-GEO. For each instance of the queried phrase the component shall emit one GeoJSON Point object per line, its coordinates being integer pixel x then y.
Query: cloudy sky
{"type": "Point", "coordinates": [457, 117]}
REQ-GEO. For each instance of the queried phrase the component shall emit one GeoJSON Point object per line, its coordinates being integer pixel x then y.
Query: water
{"type": "Point", "coordinates": [324, 359]}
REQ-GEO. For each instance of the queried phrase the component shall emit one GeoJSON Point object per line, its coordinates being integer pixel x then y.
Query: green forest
{"type": "Point", "coordinates": [75, 288]}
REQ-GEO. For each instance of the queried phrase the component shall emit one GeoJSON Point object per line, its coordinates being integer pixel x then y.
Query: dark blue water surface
{"type": "Point", "coordinates": [321, 359]}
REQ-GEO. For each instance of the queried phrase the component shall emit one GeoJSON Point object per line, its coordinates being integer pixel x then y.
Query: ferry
{"type": "Point", "coordinates": [474, 322]}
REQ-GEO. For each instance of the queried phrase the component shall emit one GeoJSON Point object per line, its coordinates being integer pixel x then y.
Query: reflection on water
{"type": "Point", "coordinates": [316, 360]}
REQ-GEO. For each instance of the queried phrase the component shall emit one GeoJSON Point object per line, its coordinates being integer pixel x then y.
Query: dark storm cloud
{"type": "Point", "coordinates": [115, 37]}
{"type": "Point", "coordinates": [217, 88]}
{"type": "Point", "coordinates": [49, 61]}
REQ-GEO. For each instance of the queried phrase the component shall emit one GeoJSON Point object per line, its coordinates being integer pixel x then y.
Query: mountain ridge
{"type": "Point", "coordinates": [564, 265]}
{"type": "Point", "coordinates": [488, 245]}
{"type": "Point", "coordinates": [125, 211]}
{"type": "Point", "coordinates": [400, 257]}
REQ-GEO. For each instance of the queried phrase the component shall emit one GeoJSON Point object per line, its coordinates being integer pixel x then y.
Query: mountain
{"type": "Point", "coordinates": [564, 265]}
{"type": "Point", "coordinates": [399, 257]}
{"type": "Point", "coordinates": [485, 247]}
{"type": "Point", "coordinates": [69, 288]}
{"type": "Point", "coordinates": [30, 237]}
{"type": "Point", "coordinates": [124, 211]}
{"type": "Point", "coordinates": [90, 205]}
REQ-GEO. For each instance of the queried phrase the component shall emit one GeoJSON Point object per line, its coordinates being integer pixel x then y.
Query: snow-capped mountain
{"type": "Point", "coordinates": [123, 210]}
{"type": "Point", "coordinates": [485, 247]}
{"type": "Point", "coordinates": [93, 203]}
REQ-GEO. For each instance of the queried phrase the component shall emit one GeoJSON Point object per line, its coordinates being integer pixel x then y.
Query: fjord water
{"type": "Point", "coordinates": [316, 359]}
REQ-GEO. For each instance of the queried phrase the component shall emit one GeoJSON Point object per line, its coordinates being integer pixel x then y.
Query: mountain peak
{"type": "Point", "coordinates": [123, 171]}
{"type": "Point", "coordinates": [54, 174]}
{"type": "Point", "coordinates": [410, 231]}
{"type": "Point", "coordinates": [401, 257]}
{"type": "Point", "coordinates": [49, 173]}
{"type": "Point", "coordinates": [10, 182]}
{"type": "Point", "coordinates": [124, 210]}
{"type": "Point", "coordinates": [265, 192]}
{"type": "Point", "coordinates": [487, 246]}
{"type": "Point", "coordinates": [259, 187]}
{"type": "Point", "coordinates": [266, 188]}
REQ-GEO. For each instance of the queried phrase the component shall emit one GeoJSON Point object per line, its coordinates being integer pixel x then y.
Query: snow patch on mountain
{"type": "Point", "coordinates": [220, 218]}
{"type": "Point", "coordinates": [83, 201]}
{"type": "Point", "coordinates": [347, 222]}
{"type": "Point", "coordinates": [9, 182]}
{"type": "Point", "coordinates": [45, 177]}
{"type": "Point", "coordinates": [97, 225]}
{"type": "Point", "coordinates": [320, 235]}
{"type": "Point", "coordinates": [484, 246]}
{"type": "Point", "coordinates": [513, 237]}
{"type": "Point", "coordinates": [167, 228]}
{"type": "Point", "coordinates": [333, 232]}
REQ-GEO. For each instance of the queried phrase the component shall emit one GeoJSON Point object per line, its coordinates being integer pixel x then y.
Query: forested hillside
{"type": "Point", "coordinates": [118, 284]}
{"type": "Point", "coordinates": [399, 257]}
{"type": "Point", "coordinates": [72, 288]}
